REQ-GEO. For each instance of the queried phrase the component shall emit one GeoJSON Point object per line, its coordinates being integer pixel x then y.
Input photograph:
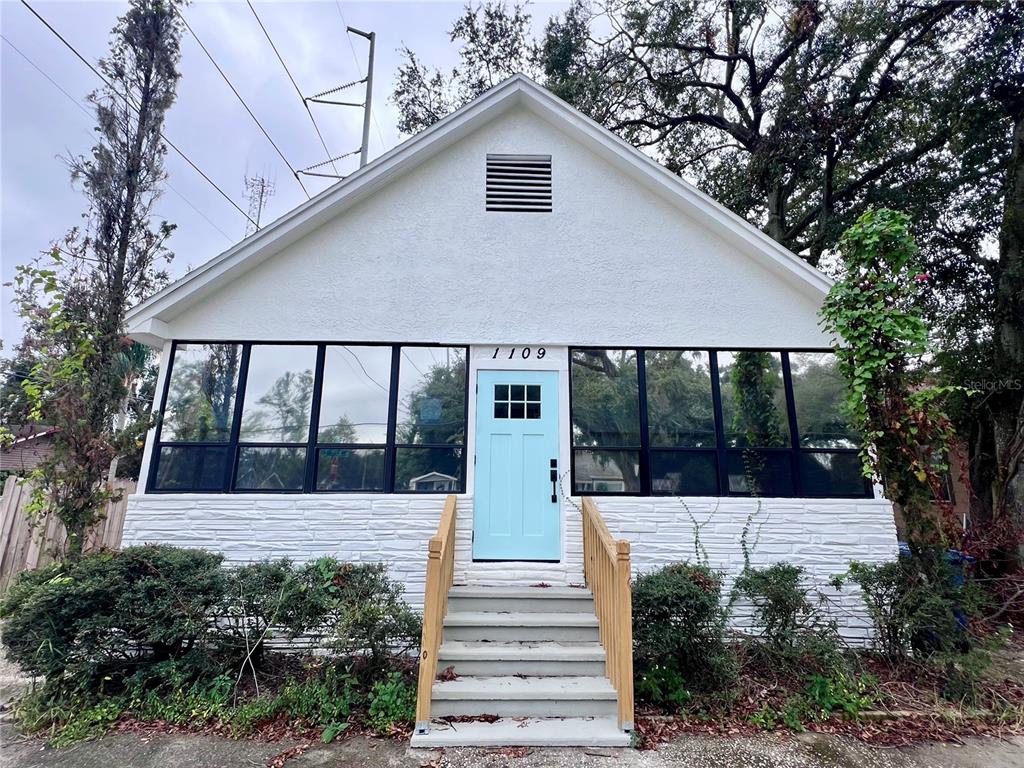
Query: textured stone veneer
{"type": "Point", "coordinates": [822, 535]}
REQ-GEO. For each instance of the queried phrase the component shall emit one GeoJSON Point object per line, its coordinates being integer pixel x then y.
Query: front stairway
{"type": "Point", "coordinates": [521, 666]}
{"type": "Point", "coordinates": [527, 666]}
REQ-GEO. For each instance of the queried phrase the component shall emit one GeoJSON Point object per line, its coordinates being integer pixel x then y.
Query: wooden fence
{"type": "Point", "coordinates": [27, 544]}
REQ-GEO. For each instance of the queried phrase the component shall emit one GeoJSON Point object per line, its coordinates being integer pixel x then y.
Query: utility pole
{"type": "Point", "coordinates": [366, 105]}
{"type": "Point", "coordinates": [365, 148]}
{"type": "Point", "coordinates": [258, 189]}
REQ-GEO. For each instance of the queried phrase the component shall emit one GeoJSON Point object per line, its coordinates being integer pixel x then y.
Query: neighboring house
{"type": "Point", "coordinates": [517, 306]}
{"type": "Point", "coordinates": [32, 444]}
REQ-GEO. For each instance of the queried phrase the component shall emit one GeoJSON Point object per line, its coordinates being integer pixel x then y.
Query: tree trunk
{"type": "Point", "coordinates": [1008, 404]}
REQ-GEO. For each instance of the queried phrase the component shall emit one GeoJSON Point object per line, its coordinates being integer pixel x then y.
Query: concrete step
{"type": "Point", "coordinates": [530, 732]}
{"type": "Point", "coordinates": [521, 627]}
{"type": "Point", "coordinates": [530, 659]}
{"type": "Point", "coordinates": [525, 697]}
{"type": "Point", "coordinates": [521, 599]}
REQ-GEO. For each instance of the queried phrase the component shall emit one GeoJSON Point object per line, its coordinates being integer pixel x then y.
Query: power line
{"type": "Point", "coordinates": [163, 136]}
{"type": "Point", "coordinates": [88, 114]}
{"type": "Point", "coordinates": [242, 101]}
{"type": "Point", "coordinates": [294, 84]}
{"type": "Point", "coordinates": [355, 58]}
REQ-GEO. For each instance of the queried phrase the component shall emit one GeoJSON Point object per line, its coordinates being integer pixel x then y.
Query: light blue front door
{"type": "Point", "coordinates": [515, 504]}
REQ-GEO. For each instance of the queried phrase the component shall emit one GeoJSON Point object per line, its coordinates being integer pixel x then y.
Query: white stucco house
{"type": "Point", "coordinates": [517, 307]}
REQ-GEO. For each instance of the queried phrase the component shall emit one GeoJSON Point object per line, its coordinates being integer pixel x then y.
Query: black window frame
{"type": "Point", "coordinates": [794, 451]}
{"type": "Point", "coordinates": [312, 447]}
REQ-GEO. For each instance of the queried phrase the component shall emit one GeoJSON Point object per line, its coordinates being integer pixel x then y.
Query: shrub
{"type": "Point", "coordinates": [258, 597]}
{"type": "Point", "coordinates": [791, 626]}
{"type": "Point", "coordinates": [914, 603]}
{"type": "Point", "coordinates": [92, 624]}
{"type": "Point", "coordinates": [679, 624]}
{"type": "Point", "coordinates": [363, 609]}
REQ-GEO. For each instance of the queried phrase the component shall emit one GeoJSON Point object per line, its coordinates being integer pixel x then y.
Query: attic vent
{"type": "Point", "coordinates": [519, 183]}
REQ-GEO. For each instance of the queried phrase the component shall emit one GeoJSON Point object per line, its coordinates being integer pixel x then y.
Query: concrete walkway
{"type": "Point", "coordinates": [768, 751]}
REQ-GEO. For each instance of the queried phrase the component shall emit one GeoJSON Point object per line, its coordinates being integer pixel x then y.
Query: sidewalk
{"type": "Point", "coordinates": [768, 751]}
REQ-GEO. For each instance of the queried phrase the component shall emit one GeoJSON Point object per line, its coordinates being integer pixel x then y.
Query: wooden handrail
{"type": "Point", "coordinates": [440, 572]}
{"type": "Point", "coordinates": [606, 568]}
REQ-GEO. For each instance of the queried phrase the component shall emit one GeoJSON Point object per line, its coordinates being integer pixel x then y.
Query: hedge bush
{"type": "Point", "coordinates": [791, 628]}
{"type": "Point", "coordinates": [159, 618]}
{"type": "Point", "coordinates": [679, 626]}
{"type": "Point", "coordinates": [95, 623]}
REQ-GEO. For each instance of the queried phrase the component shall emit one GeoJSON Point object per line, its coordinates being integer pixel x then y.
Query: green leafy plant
{"type": "Point", "coordinates": [875, 309]}
{"type": "Point", "coordinates": [392, 703]}
{"type": "Point", "coordinates": [663, 687]}
{"type": "Point", "coordinates": [679, 624]}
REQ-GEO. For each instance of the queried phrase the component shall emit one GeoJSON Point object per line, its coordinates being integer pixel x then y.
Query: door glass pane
{"type": "Point", "coordinates": [684, 473]}
{"type": "Point", "coordinates": [605, 398]}
{"type": "Point", "coordinates": [760, 473]}
{"type": "Point", "coordinates": [354, 402]}
{"type": "Point", "coordinates": [344, 469]}
{"type": "Point", "coordinates": [606, 471]}
{"type": "Point", "coordinates": [431, 395]}
{"type": "Point", "coordinates": [278, 394]}
{"type": "Point", "coordinates": [275, 468]}
{"type": "Point", "coordinates": [753, 399]}
{"type": "Point", "coordinates": [680, 410]}
{"type": "Point", "coordinates": [832, 474]}
{"type": "Point", "coordinates": [201, 393]}
{"type": "Point", "coordinates": [516, 401]}
{"type": "Point", "coordinates": [428, 470]}
{"type": "Point", "coordinates": [819, 394]}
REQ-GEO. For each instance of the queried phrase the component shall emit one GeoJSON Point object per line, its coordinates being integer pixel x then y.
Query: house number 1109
{"type": "Point", "coordinates": [524, 352]}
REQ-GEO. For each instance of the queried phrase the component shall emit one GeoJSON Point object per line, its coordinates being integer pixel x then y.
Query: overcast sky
{"type": "Point", "coordinates": [39, 124]}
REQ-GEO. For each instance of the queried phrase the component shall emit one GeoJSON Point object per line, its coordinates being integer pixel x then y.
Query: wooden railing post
{"type": "Point", "coordinates": [440, 573]}
{"type": "Point", "coordinates": [606, 570]}
{"type": "Point", "coordinates": [429, 641]}
{"type": "Point", "coordinates": [625, 634]}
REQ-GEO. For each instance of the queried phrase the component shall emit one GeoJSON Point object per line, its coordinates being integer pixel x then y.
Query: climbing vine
{"type": "Point", "coordinates": [873, 309]}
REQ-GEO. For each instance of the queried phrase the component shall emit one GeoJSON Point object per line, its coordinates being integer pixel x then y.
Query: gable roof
{"type": "Point", "coordinates": [146, 322]}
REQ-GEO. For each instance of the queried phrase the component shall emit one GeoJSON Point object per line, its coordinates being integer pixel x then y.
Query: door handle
{"type": "Point", "coordinates": [554, 481]}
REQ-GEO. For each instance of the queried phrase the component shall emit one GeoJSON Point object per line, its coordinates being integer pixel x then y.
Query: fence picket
{"type": "Point", "coordinates": [24, 546]}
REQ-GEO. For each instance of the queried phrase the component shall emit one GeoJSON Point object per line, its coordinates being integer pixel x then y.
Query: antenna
{"type": "Point", "coordinates": [320, 98]}
{"type": "Point", "coordinates": [258, 189]}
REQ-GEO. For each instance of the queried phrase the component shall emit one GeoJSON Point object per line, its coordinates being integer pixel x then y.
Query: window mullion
{"type": "Point", "coordinates": [716, 399]}
{"type": "Point", "coordinates": [645, 441]}
{"type": "Point", "coordinates": [154, 456]}
{"type": "Point", "coordinates": [389, 448]}
{"type": "Point", "coordinates": [309, 482]}
{"type": "Point", "coordinates": [794, 436]}
{"type": "Point", "coordinates": [236, 423]}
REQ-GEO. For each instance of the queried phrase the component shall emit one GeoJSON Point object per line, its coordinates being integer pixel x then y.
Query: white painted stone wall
{"type": "Point", "coordinates": [822, 535]}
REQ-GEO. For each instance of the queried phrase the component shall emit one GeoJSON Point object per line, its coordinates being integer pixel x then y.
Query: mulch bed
{"type": "Point", "coordinates": [910, 710]}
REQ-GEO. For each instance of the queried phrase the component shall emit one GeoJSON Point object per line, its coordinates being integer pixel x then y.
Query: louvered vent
{"type": "Point", "coordinates": [519, 183]}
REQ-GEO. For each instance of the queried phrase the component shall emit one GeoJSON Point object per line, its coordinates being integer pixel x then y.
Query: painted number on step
{"type": "Point", "coordinates": [522, 352]}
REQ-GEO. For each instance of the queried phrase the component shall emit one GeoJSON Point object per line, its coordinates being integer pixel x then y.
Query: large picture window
{"type": "Point", "coordinates": [312, 417]}
{"type": "Point", "coordinates": [711, 422]}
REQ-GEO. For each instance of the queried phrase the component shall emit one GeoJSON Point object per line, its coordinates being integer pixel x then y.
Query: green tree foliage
{"type": "Point", "coordinates": [802, 115]}
{"type": "Point", "coordinates": [87, 377]}
{"type": "Point", "coordinates": [873, 309]}
{"type": "Point", "coordinates": [796, 115]}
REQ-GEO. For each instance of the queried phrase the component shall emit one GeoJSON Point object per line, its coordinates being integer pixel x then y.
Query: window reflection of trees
{"type": "Point", "coordinates": [431, 424]}
{"type": "Point", "coordinates": [201, 393]}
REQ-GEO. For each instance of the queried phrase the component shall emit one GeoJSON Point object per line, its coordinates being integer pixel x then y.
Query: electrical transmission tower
{"type": "Point", "coordinates": [258, 189]}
